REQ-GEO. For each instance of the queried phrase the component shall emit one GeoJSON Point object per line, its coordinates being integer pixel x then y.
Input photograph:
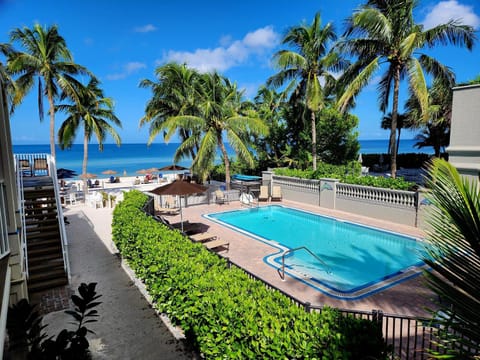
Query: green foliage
{"type": "Point", "coordinates": [27, 339]}
{"type": "Point", "coordinates": [337, 138]}
{"type": "Point", "coordinates": [349, 174]}
{"type": "Point", "coordinates": [454, 219]}
{"type": "Point", "coordinates": [223, 312]}
{"type": "Point", "coordinates": [324, 170]}
{"type": "Point", "coordinates": [381, 182]}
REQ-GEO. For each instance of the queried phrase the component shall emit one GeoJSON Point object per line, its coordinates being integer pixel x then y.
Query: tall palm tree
{"type": "Point", "coordinates": [94, 113]}
{"type": "Point", "coordinates": [384, 32]}
{"type": "Point", "coordinates": [454, 256]}
{"type": "Point", "coordinates": [271, 149]}
{"type": "Point", "coordinates": [435, 131]}
{"type": "Point", "coordinates": [9, 84]}
{"type": "Point", "coordinates": [174, 94]}
{"type": "Point", "coordinates": [221, 112]}
{"type": "Point", "coordinates": [403, 122]}
{"type": "Point", "coordinates": [307, 66]}
{"type": "Point", "coordinates": [45, 59]}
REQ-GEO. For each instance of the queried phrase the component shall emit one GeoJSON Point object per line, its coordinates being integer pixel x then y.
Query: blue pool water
{"type": "Point", "coordinates": [355, 260]}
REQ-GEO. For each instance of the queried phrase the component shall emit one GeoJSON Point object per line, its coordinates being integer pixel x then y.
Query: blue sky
{"type": "Point", "coordinates": [122, 42]}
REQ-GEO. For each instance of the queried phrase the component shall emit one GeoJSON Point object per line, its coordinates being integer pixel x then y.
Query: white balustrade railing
{"type": "Point", "coordinates": [371, 194]}
{"type": "Point", "coordinates": [379, 195]}
{"type": "Point", "coordinates": [297, 183]}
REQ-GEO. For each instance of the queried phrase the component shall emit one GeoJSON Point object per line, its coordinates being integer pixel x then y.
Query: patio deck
{"type": "Point", "coordinates": [410, 297]}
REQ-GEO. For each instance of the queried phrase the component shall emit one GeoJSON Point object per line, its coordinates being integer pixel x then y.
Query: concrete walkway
{"type": "Point", "coordinates": [128, 328]}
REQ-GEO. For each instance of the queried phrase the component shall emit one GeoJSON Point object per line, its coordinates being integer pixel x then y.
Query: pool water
{"type": "Point", "coordinates": [351, 261]}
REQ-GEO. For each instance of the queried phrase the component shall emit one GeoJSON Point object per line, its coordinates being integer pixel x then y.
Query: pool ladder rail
{"type": "Point", "coordinates": [282, 274]}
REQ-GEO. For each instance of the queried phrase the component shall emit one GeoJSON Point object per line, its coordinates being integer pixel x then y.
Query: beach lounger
{"type": "Point", "coordinates": [217, 243]}
{"type": "Point", "coordinates": [188, 227]}
{"type": "Point", "coordinates": [263, 196]}
{"type": "Point", "coordinates": [276, 193]}
{"type": "Point", "coordinates": [201, 237]}
{"type": "Point", "coordinates": [220, 197]}
{"type": "Point", "coordinates": [166, 211]}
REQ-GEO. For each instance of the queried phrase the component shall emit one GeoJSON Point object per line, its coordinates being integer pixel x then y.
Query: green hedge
{"type": "Point", "coordinates": [348, 174]}
{"type": "Point", "coordinates": [224, 313]}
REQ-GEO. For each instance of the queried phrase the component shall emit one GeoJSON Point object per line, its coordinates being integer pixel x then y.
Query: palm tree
{"type": "Point", "coordinates": [435, 132]}
{"type": "Point", "coordinates": [384, 32]}
{"type": "Point", "coordinates": [174, 94]}
{"type": "Point", "coordinates": [307, 66]}
{"type": "Point", "coordinates": [9, 83]}
{"type": "Point", "coordinates": [403, 122]}
{"type": "Point", "coordinates": [454, 255]}
{"type": "Point", "coordinates": [47, 59]}
{"type": "Point", "coordinates": [271, 149]}
{"type": "Point", "coordinates": [221, 112]}
{"type": "Point", "coordinates": [94, 113]}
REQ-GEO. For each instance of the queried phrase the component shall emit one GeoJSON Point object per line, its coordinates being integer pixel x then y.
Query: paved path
{"type": "Point", "coordinates": [128, 328]}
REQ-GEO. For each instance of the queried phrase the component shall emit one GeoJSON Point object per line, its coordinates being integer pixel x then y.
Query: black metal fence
{"type": "Point", "coordinates": [410, 338]}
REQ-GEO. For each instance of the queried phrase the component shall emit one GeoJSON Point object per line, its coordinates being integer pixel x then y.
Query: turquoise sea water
{"type": "Point", "coordinates": [130, 158]}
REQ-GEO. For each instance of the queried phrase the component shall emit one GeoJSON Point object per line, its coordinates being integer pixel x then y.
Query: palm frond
{"type": "Point", "coordinates": [454, 255]}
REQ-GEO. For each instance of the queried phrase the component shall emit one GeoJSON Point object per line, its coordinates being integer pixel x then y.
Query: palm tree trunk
{"type": "Point", "coordinates": [314, 141]}
{"type": "Point", "coordinates": [393, 128]}
{"type": "Point", "coordinates": [84, 165]}
{"type": "Point", "coordinates": [398, 139]}
{"type": "Point", "coordinates": [52, 123]}
{"type": "Point", "coordinates": [226, 161]}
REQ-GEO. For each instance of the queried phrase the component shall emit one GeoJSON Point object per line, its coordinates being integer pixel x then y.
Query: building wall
{"type": "Point", "coordinates": [464, 149]}
{"type": "Point", "coordinates": [18, 288]}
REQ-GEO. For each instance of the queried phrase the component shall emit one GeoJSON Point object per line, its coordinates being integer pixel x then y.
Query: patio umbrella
{"type": "Point", "coordinates": [153, 170]}
{"type": "Point", "coordinates": [173, 167]}
{"type": "Point", "coordinates": [143, 171]}
{"type": "Point", "coordinates": [109, 172]}
{"type": "Point", "coordinates": [65, 173]}
{"type": "Point", "coordinates": [179, 188]}
{"type": "Point", "coordinates": [88, 176]}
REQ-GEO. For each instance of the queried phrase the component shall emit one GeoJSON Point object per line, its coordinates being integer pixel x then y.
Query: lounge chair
{"type": "Point", "coordinates": [203, 236]}
{"type": "Point", "coordinates": [220, 197]}
{"type": "Point", "coordinates": [166, 211]}
{"type": "Point", "coordinates": [40, 167]}
{"type": "Point", "coordinates": [263, 196]}
{"type": "Point", "coordinates": [217, 243]}
{"type": "Point", "coordinates": [188, 227]}
{"type": "Point", "coordinates": [276, 193]}
{"type": "Point", "coordinates": [25, 167]}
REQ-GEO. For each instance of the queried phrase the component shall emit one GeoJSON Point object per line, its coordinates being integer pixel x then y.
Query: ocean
{"type": "Point", "coordinates": [130, 158]}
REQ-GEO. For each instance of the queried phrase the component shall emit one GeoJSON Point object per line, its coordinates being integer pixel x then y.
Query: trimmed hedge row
{"type": "Point", "coordinates": [224, 313]}
{"type": "Point", "coordinates": [348, 175]}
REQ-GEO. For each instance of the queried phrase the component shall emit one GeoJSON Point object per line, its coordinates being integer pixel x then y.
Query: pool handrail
{"type": "Point", "coordinates": [300, 248]}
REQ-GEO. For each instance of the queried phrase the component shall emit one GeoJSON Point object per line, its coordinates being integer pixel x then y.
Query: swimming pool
{"type": "Point", "coordinates": [350, 261]}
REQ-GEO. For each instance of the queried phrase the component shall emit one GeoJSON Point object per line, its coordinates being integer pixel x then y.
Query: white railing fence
{"type": "Point", "coordinates": [386, 204]}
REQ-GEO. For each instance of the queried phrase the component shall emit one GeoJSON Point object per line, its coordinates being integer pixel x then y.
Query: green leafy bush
{"type": "Point", "coordinates": [223, 312]}
{"type": "Point", "coordinates": [348, 174]}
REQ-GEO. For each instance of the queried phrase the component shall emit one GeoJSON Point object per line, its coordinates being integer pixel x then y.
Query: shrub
{"type": "Point", "coordinates": [223, 312]}
{"type": "Point", "coordinates": [348, 174]}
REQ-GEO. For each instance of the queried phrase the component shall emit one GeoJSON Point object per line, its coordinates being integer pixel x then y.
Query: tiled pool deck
{"type": "Point", "coordinates": [410, 297]}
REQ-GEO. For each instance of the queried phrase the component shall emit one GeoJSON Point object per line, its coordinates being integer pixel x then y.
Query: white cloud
{"type": "Point", "coordinates": [127, 69]}
{"type": "Point", "coordinates": [145, 28]}
{"type": "Point", "coordinates": [445, 11]}
{"type": "Point", "coordinates": [229, 54]}
{"type": "Point", "coordinates": [261, 38]}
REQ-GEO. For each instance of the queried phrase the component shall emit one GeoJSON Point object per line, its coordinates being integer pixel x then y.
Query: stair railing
{"type": "Point", "coordinates": [52, 171]}
{"type": "Point", "coordinates": [289, 251]}
{"type": "Point", "coordinates": [19, 172]}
